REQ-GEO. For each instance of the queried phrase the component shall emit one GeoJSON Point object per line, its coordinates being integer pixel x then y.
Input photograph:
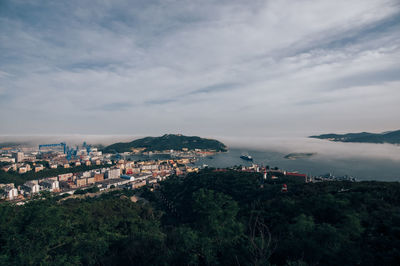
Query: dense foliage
{"type": "Point", "coordinates": [211, 218]}
{"type": "Point", "coordinates": [167, 142]}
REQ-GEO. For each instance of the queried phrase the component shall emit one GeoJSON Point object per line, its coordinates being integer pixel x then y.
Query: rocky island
{"type": "Point", "coordinates": [299, 155]}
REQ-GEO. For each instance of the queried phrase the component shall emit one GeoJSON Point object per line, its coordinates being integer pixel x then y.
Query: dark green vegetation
{"type": "Point", "coordinates": [392, 137]}
{"type": "Point", "coordinates": [167, 142]}
{"type": "Point", "coordinates": [18, 179]}
{"type": "Point", "coordinates": [211, 218]}
{"type": "Point", "coordinates": [85, 191]}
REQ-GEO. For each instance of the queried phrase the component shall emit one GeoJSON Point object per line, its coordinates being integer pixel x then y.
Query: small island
{"type": "Point", "coordinates": [166, 143]}
{"type": "Point", "coordinates": [299, 155]}
{"type": "Point", "coordinates": [391, 137]}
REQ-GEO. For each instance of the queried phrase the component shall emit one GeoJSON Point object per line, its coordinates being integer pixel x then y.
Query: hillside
{"type": "Point", "coordinates": [392, 137]}
{"type": "Point", "coordinates": [210, 218]}
{"type": "Point", "coordinates": [167, 142]}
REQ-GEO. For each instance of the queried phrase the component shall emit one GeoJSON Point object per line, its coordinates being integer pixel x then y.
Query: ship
{"type": "Point", "coordinates": [246, 157]}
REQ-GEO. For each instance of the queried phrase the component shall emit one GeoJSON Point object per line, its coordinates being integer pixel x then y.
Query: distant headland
{"type": "Point", "coordinates": [392, 137]}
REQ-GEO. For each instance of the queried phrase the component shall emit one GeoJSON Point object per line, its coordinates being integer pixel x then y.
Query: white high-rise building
{"type": "Point", "coordinates": [11, 192]}
{"type": "Point", "coordinates": [51, 185]}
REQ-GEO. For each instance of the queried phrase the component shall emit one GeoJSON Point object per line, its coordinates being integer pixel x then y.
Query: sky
{"type": "Point", "coordinates": [209, 68]}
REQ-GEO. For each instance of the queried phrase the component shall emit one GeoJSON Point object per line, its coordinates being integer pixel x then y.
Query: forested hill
{"type": "Point", "coordinates": [392, 137]}
{"type": "Point", "coordinates": [210, 218]}
{"type": "Point", "coordinates": [167, 142]}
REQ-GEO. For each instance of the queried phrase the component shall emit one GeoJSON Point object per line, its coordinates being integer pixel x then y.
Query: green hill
{"type": "Point", "coordinates": [167, 142]}
{"type": "Point", "coordinates": [392, 137]}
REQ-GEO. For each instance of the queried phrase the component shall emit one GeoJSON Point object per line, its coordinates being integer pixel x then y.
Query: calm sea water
{"type": "Point", "coordinates": [361, 168]}
{"type": "Point", "coordinates": [382, 169]}
{"type": "Point", "coordinates": [363, 161]}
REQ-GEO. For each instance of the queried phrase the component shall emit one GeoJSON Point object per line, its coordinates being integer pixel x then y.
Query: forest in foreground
{"type": "Point", "coordinates": [210, 218]}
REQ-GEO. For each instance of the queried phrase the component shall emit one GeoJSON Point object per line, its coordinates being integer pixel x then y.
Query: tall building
{"type": "Point", "coordinates": [31, 187]}
{"type": "Point", "coordinates": [11, 192]}
{"type": "Point", "coordinates": [52, 185]}
{"type": "Point", "coordinates": [18, 156]}
{"type": "Point", "coordinates": [113, 173]}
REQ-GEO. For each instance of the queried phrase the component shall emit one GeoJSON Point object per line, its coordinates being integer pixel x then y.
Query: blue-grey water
{"type": "Point", "coordinates": [363, 161]}
{"type": "Point", "coordinates": [362, 168]}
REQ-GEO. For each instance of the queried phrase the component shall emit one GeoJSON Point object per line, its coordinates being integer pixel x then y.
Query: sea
{"type": "Point", "coordinates": [364, 161]}
{"type": "Point", "coordinates": [361, 168]}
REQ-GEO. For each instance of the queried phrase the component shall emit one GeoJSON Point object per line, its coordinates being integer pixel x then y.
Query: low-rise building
{"type": "Point", "coordinates": [90, 180]}
{"type": "Point", "coordinates": [38, 168]}
{"type": "Point", "coordinates": [151, 180]}
{"type": "Point", "coordinates": [7, 160]}
{"type": "Point", "coordinates": [67, 184]}
{"type": "Point", "coordinates": [108, 183]}
{"type": "Point", "coordinates": [86, 174]}
{"type": "Point", "coordinates": [65, 177]}
{"type": "Point", "coordinates": [138, 184]}
{"type": "Point", "coordinates": [22, 170]}
{"type": "Point", "coordinates": [98, 177]}
{"type": "Point", "coordinates": [81, 182]}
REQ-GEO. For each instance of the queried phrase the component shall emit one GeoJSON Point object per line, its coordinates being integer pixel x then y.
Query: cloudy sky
{"type": "Point", "coordinates": [212, 68]}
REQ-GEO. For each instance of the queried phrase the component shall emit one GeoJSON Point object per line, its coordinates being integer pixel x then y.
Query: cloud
{"type": "Point", "coordinates": [116, 106]}
{"type": "Point", "coordinates": [215, 88]}
{"type": "Point", "coordinates": [227, 68]}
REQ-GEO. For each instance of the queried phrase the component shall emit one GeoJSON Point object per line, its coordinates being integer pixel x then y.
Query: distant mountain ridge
{"type": "Point", "coordinates": [167, 142]}
{"type": "Point", "coordinates": [392, 137]}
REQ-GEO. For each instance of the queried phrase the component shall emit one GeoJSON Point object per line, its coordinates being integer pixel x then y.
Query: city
{"type": "Point", "coordinates": [87, 168]}
{"type": "Point", "coordinates": [178, 132]}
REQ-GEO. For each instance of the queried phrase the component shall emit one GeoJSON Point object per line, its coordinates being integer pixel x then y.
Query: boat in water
{"type": "Point", "coordinates": [246, 157]}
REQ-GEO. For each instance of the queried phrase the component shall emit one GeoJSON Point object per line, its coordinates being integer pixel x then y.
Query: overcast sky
{"type": "Point", "coordinates": [210, 68]}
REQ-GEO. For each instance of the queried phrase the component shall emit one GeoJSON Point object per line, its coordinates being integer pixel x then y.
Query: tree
{"type": "Point", "coordinates": [80, 192]}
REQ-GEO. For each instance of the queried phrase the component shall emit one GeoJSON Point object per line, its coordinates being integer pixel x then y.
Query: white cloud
{"type": "Point", "coordinates": [216, 67]}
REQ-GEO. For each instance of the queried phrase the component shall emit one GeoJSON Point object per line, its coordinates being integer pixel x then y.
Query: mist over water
{"type": "Point", "coordinates": [323, 148]}
{"type": "Point", "coordinates": [72, 140]}
{"type": "Point", "coordinates": [364, 161]}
